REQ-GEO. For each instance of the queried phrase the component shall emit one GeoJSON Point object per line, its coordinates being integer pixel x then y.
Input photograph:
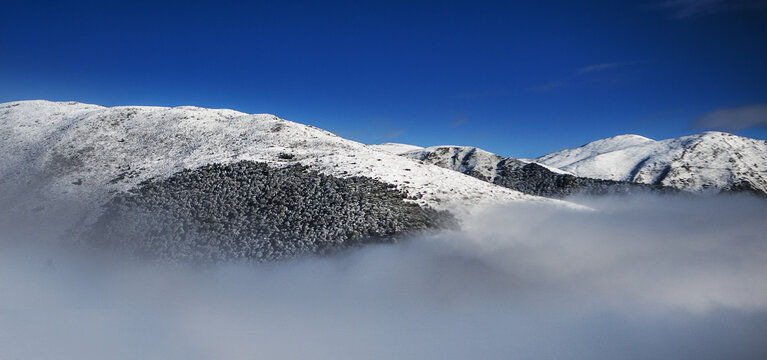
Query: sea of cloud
{"type": "Point", "coordinates": [637, 278]}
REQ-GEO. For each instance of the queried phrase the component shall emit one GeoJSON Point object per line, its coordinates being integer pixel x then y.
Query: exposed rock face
{"type": "Point", "coordinates": [526, 177]}
{"type": "Point", "coordinates": [532, 178]}
{"type": "Point", "coordinates": [248, 210]}
{"type": "Point", "coordinates": [468, 160]}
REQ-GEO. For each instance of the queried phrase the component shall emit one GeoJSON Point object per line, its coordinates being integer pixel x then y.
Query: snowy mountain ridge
{"type": "Point", "coordinates": [708, 161]}
{"type": "Point", "coordinates": [527, 176]}
{"type": "Point", "coordinates": [87, 153]}
{"type": "Point", "coordinates": [614, 143]}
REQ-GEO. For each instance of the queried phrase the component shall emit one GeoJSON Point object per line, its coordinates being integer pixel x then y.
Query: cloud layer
{"type": "Point", "coordinates": [734, 119]}
{"type": "Point", "coordinates": [638, 278]}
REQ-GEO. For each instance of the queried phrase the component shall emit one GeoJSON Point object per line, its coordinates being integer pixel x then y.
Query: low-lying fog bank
{"type": "Point", "coordinates": [639, 278]}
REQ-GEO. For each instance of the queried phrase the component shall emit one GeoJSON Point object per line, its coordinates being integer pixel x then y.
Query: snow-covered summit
{"type": "Point", "coordinates": [709, 160]}
{"type": "Point", "coordinates": [88, 152]}
{"type": "Point", "coordinates": [562, 158]}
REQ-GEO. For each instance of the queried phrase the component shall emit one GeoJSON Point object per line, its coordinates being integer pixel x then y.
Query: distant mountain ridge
{"type": "Point", "coordinates": [705, 162]}
{"type": "Point", "coordinates": [525, 176]}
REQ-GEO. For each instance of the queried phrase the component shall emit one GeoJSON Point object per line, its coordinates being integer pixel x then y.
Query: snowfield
{"type": "Point", "coordinates": [87, 153]}
{"type": "Point", "coordinates": [709, 161]}
{"type": "Point", "coordinates": [566, 157]}
{"type": "Point", "coordinates": [396, 148]}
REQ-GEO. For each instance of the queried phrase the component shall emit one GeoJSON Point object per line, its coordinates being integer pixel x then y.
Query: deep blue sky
{"type": "Point", "coordinates": [517, 78]}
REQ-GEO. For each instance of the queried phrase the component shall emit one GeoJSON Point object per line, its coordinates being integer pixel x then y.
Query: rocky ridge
{"type": "Point", "coordinates": [524, 176]}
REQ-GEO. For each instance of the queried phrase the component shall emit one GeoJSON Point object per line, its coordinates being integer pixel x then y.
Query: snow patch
{"type": "Point", "coordinates": [396, 148]}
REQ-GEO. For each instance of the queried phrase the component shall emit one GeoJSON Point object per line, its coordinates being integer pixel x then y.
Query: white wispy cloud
{"type": "Point", "coordinates": [606, 66]}
{"type": "Point", "coordinates": [734, 119]}
{"type": "Point", "coordinates": [393, 133]}
{"type": "Point", "coordinates": [550, 85]}
{"type": "Point", "coordinates": [693, 8]}
{"type": "Point", "coordinates": [586, 74]}
{"type": "Point", "coordinates": [688, 8]}
{"type": "Point", "coordinates": [459, 121]}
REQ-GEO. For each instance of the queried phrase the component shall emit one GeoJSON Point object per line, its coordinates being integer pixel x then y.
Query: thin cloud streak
{"type": "Point", "coordinates": [734, 119]}
{"type": "Point", "coordinates": [584, 75]}
{"type": "Point", "coordinates": [606, 66]}
{"type": "Point", "coordinates": [690, 8]}
{"type": "Point", "coordinates": [578, 78]}
{"type": "Point", "coordinates": [458, 121]}
{"type": "Point", "coordinates": [481, 94]}
{"type": "Point", "coordinates": [549, 86]}
{"type": "Point", "coordinates": [683, 9]}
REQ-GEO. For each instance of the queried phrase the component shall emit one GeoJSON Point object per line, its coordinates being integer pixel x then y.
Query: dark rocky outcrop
{"type": "Point", "coordinates": [248, 210]}
{"type": "Point", "coordinates": [531, 178]}
{"type": "Point", "coordinates": [526, 177]}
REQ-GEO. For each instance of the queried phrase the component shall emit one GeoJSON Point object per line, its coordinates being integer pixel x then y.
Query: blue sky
{"type": "Point", "coordinates": [517, 78]}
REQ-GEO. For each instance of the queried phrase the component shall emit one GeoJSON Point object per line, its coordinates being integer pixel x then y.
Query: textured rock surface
{"type": "Point", "coordinates": [248, 210]}
{"type": "Point", "coordinates": [531, 178]}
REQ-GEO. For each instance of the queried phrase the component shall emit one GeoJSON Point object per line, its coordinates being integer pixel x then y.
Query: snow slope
{"type": "Point", "coordinates": [396, 148]}
{"type": "Point", "coordinates": [562, 158]}
{"type": "Point", "coordinates": [86, 153]}
{"type": "Point", "coordinates": [707, 161]}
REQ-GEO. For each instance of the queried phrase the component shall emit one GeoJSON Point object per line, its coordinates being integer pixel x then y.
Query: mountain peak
{"type": "Point", "coordinates": [564, 158]}
{"type": "Point", "coordinates": [707, 161]}
{"type": "Point", "coordinates": [629, 137]}
{"type": "Point", "coordinates": [618, 141]}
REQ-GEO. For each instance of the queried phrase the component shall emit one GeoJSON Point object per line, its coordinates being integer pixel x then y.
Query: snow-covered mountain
{"type": "Point", "coordinates": [709, 161]}
{"type": "Point", "coordinates": [526, 176]}
{"type": "Point", "coordinates": [137, 179]}
{"type": "Point", "coordinates": [87, 153]}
